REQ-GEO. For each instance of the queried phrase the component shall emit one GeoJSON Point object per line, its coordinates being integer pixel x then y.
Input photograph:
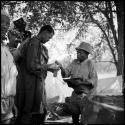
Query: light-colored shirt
{"type": "Point", "coordinates": [8, 82]}
{"type": "Point", "coordinates": [8, 73]}
{"type": "Point", "coordinates": [85, 70]}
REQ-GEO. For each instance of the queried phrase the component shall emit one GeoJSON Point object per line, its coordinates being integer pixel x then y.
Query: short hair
{"type": "Point", "coordinates": [47, 28]}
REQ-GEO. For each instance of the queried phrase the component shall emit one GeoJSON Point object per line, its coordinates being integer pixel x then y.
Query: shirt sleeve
{"type": "Point", "coordinates": [16, 54]}
{"type": "Point", "coordinates": [93, 78]}
{"type": "Point", "coordinates": [68, 70]}
{"type": "Point", "coordinates": [3, 62]}
{"type": "Point", "coordinates": [32, 61]}
{"type": "Point", "coordinates": [8, 73]}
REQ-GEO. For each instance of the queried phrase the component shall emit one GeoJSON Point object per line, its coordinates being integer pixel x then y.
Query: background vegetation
{"type": "Point", "coordinates": [99, 22]}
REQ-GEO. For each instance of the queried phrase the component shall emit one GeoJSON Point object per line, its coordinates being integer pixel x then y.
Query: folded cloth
{"type": "Point", "coordinates": [82, 89]}
{"type": "Point", "coordinates": [78, 83]}
{"type": "Point", "coordinates": [71, 82]}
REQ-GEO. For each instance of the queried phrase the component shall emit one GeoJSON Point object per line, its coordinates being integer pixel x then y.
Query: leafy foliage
{"type": "Point", "coordinates": [71, 14]}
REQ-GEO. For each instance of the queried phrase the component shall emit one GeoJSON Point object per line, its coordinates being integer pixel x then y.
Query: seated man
{"type": "Point", "coordinates": [83, 71]}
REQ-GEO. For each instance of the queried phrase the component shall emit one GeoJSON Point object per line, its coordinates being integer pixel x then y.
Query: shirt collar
{"type": "Point", "coordinates": [41, 43]}
{"type": "Point", "coordinates": [78, 62]}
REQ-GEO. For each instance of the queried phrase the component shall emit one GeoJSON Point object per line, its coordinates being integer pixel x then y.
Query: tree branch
{"type": "Point", "coordinates": [112, 51]}
{"type": "Point", "coordinates": [110, 21]}
{"type": "Point", "coordinates": [112, 25]}
{"type": "Point", "coordinates": [107, 61]}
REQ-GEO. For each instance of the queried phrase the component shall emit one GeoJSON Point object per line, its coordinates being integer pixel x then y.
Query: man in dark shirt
{"type": "Point", "coordinates": [31, 95]}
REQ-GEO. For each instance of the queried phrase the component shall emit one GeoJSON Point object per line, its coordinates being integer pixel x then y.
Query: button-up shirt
{"type": "Point", "coordinates": [85, 70]}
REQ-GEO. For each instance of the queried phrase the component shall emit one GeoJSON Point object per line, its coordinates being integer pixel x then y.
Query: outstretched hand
{"type": "Point", "coordinates": [53, 67]}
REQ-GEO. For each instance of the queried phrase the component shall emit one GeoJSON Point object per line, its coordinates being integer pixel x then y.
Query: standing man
{"type": "Point", "coordinates": [8, 74]}
{"type": "Point", "coordinates": [83, 69]}
{"type": "Point", "coordinates": [31, 95]}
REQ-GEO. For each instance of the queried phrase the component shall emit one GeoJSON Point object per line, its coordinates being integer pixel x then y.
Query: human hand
{"type": "Point", "coordinates": [53, 67]}
{"type": "Point", "coordinates": [80, 81]}
{"type": "Point", "coordinates": [58, 63]}
{"type": "Point", "coordinates": [86, 81]}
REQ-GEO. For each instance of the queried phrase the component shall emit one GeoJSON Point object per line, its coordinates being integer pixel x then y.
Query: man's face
{"type": "Point", "coordinates": [46, 36]}
{"type": "Point", "coordinates": [5, 23]}
{"type": "Point", "coordinates": [82, 55]}
{"type": "Point", "coordinates": [13, 39]}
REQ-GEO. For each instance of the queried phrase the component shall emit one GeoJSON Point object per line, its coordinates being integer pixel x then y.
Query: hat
{"type": "Point", "coordinates": [85, 46]}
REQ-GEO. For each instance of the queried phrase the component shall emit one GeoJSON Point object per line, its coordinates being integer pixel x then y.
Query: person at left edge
{"type": "Point", "coordinates": [8, 74]}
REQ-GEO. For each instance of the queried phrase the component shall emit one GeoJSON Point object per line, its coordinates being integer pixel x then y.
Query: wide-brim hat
{"type": "Point", "coordinates": [85, 46]}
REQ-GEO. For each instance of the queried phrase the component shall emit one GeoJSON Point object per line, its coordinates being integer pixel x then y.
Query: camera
{"type": "Point", "coordinates": [20, 25]}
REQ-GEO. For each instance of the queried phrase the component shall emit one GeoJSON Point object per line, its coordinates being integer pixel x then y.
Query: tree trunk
{"type": "Point", "coordinates": [120, 18]}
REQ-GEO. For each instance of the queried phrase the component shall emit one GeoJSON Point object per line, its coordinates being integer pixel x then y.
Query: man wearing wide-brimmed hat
{"type": "Point", "coordinates": [85, 47]}
{"type": "Point", "coordinates": [83, 79]}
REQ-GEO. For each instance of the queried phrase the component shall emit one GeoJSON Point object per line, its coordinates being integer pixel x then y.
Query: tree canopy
{"type": "Point", "coordinates": [108, 16]}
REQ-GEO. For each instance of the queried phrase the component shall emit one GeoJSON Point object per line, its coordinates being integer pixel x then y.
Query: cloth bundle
{"type": "Point", "coordinates": [78, 85]}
